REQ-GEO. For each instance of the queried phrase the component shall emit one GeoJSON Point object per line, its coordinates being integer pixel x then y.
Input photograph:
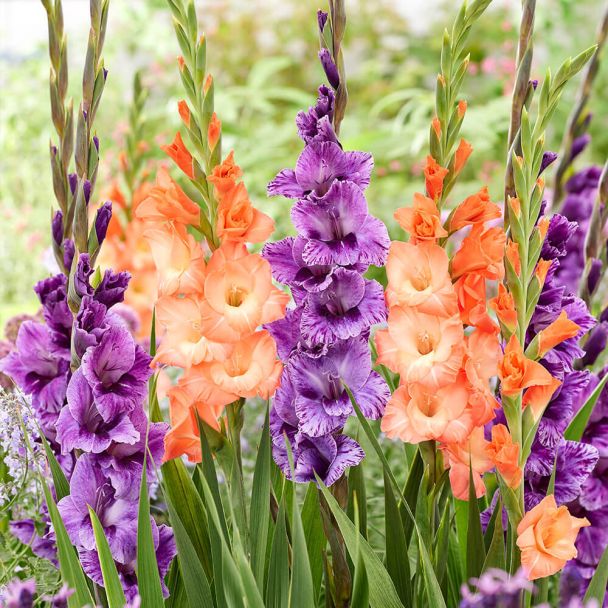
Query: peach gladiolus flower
{"type": "Point", "coordinates": [180, 155]}
{"type": "Point", "coordinates": [214, 131]}
{"type": "Point", "coordinates": [224, 176]}
{"type": "Point", "coordinates": [251, 370]}
{"type": "Point", "coordinates": [184, 342]}
{"type": "Point", "coordinates": [418, 276]}
{"type": "Point", "coordinates": [421, 347]}
{"type": "Point", "coordinates": [421, 220]}
{"type": "Point", "coordinates": [505, 455]}
{"type": "Point", "coordinates": [561, 329]}
{"type": "Point", "coordinates": [471, 294]}
{"type": "Point", "coordinates": [517, 373]}
{"type": "Point", "coordinates": [179, 260]}
{"type": "Point", "coordinates": [167, 202]}
{"type": "Point", "coordinates": [239, 294]}
{"type": "Point", "coordinates": [414, 414]}
{"type": "Point", "coordinates": [434, 174]}
{"type": "Point", "coordinates": [462, 154]}
{"type": "Point", "coordinates": [541, 270]}
{"type": "Point", "coordinates": [546, 537]}
{"type": "Point", "coordinates": [475, 209]}
{"type": "Point", "coordinates": [481, 253]}
{"type": "Point", "coordinates": [468, 455]}
{"type": "Point", "coordinates": [504, 307]}
{"type": "Point", "coordinates": [239, 220]}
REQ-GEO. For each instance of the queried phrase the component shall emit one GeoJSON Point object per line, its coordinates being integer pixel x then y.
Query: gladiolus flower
{"type": "Point", "coordinates": [561, 329]}
{"type": "Point", "coordinates": [505, 455]}
{"type": "Point", "coordinates": [475, 209]}
{"type": "Point", "coordinates": [434, 175]}
{"type": "Point", "coordinates": [546, 537]}
{"type": "Point", "coordinates": [208, 83]}
{"type": "Point", "coordinates": [224, 176]}
{"type": "Point", "coordinates": [183, 439]}
{"type": "Point", "coordinates": [462, 108]}
{"type": "Point", "coordinates": [466, 457]}
{"type": "Point", "coordinates": [421, 220]}
{"type": "Point", "coordinates": [184, 111]}
{"type": "Point", "coordinates": [515, 206]}
{"type": "Point", "coordinates": [422, 348]}
{"type": "Point", "coordinates": [543, 226]}
{"type": "Point", "coordinates": [178, 152]}
{"type": "Point", "coordinates": [179, 260]}
{"type": "Point", "coordinates": [418, 276]}
{"type": "Point", "coordinates": [414, 414]}
{"type": "Point", "coordinates": [541, 270]}
{"type": "Point", "coordinates": [512, 255]}
{"type": "Point", "coordinates": [481, 253]}
{"type": "Point", "coordinates": [239, 220]}
{"type": "Point", "coordinates": [518, 373]}
{"type": "Point", "coordinates": [462, 154]}
{"type": "Point", "coordinates": [504, 307]}
{"type": "Point", "coordinates": [239, 294]}
{"type": "Point", "coordinates": [471, 293]}
{"type": "Point", "coordinates": [214, 131]}
{"type": "Point", "coordinates": [436, 124]}
{"type": "Point", "coordinates": [167, 202]}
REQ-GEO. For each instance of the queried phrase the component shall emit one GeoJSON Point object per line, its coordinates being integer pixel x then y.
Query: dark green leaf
{"type": "Point", "coordinates": [60, 482]}
{"type": "Point", "coordinates": [315, 537]}
{"type": "Point", "coordinates": [495, 557]}
{"type": "Point", "coordinates": [476, 552]}
{"type": "Point", "coordinates": [577, 427]}
{"type": "Point", "coordinates": [599, 582]}
{"type": "Point", "coordinates": [356, 489]}
{"type": "Point", "coordinates": [301, 591]}
{"type": "Point", "coordinates": [277, 590]}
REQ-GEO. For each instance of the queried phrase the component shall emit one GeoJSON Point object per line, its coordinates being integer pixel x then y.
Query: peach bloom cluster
{"type": "Point", "coordinates": [209, 311]}
{"type": "Point", "coordinates": [126, 249]}
{"type": "Point", "coordinates": [440, 338]}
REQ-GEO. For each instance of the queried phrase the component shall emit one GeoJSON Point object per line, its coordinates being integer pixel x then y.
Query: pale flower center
{"type": "Point", "coordinates": [425, 343]}
{"type": "Point", "coordinates": [235, 296]}
{"type": "Point", "coordinates": [421, 280]}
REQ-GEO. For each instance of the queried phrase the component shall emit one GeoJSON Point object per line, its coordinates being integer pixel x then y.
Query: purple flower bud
{"type": "Point", "coordinates": [86, 189]}
{"type": "Point", "coordinates": [587, 121]}
{"type": "Point", "coordinates": [81, 277]}
{"type": "Point", "coordinates": [322, 19]}
{"type": "Point", "coordinates": [105, 74]}
{"type": "Point", "coordinates": [73, 181]}
{"type": "Point", "coordinates": [604, 315]}
{"type": "Point", "coordinates": [331, 71]}
{"type": "Point", "coordinates": [57, 227]}
{"type": "Point", "coordinates": [96, 141]}
{"type": "Point", "coordinates": [68, 253]}
{"type": "Point", "coordinates": [548, 158]}
{"type": "Point", "coordinates": [534, 84]}
{"type": "Point", "coordinates": [102, 220]}
{"type": "Point", "coordinates": [579, 144]}
{"type": "Point", "coordinates": [596, 343]}
{"type": "Point", "coordinates": [84, 115]}
{"type": "Point", "coordinates": [54, 150]}
{"type": "Point", "coordinates": [595, 273]}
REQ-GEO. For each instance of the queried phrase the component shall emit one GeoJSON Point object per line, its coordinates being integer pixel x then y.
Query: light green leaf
{"type": "Point", "coordinates": [599, 582]}
{"type": "Point", "coordinates": [315, 537]}
{"type": "Point", "coordinates": [577, 426]}
{"type": "Point", "coordinates": [277, 590]}
{"type": "Point", "coordinates": [60, 482]}
{"type": "Point", "coordinates": [476, 551]}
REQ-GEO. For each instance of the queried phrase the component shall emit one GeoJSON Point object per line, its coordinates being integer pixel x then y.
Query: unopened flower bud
{"type": "Point", "coordinates": [548, 158]}
{"type": "Point", "coordinates": [331, 71]}
{"type": "Point", "coordinates": [57, 227]}
{"type": "Point", "coordinates": [73, 181]}
{"type": "Point", "coordinates": [102, 221]}
{"type": "Point", "coordinates": [322, 19]}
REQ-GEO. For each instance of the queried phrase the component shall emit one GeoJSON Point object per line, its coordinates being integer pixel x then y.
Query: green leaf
{"type": "Point", "coordinates": [476, 552]}
{"type": "Point", "coordinates": [382, 592]}
{"type": "Point", "coordinates": [495, 557]}
{"type": "Point", "coordinates": [360, 593]}
{"type": "Point", "coordinates": [301, 590]}
{"type": "Point", "coordinates": [259, 509]}
{"type": "Point", "coordinates": [60, 482]}
{"type": "Point", "coordinates": [148, 578]}
{"type": "Point", "coordinates": [599, 582]}
{"type": "Point", "coordinates": [356, 491]}
{"type": "Point", "coordinates": [277, 590]}
{"type": "Point", "coordinates": [194, 577]}
{"type": "Point", "coordinates": [315, 537]}
{"type": "Point", "coordinates": [113, 588]}
{"type": "Point", "coordinates": [577, 427]}
{"type": "Point", "coordinates": [69, 565]}
{"type": "Point", "coordinates": [397, 561]}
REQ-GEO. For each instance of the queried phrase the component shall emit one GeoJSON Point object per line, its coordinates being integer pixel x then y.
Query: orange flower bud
{"type": "Point", "coordinates": [184, 111]}
{"type": "Point", "coordinates": [504, 307]}
{"type": "Point", "coordinates": [541, 270]}
{"type": "Point", "coordinates": [543, 226]}
{"type": "Point", "coordinates": [515, 206]}
{"type": "Point", "coordinates": [512, 254]}
{"type": "Point", "coordinates": [561, 329]}
{"type": "Point", "coordinates": [214, 131]}
{"type": "Point", "coordinates": [462, 155]}
{"type": "Point", "coordinates": [436, 124]}
{"type": "Point", "coordinates": [462, 108]}
{"type": "Point", "coordinates": [180, 155]}
{"type": "Point", "coordinates": [181, 63]}
{"type": "Point", "coordinates": [434, 175]}
{"type": "Point", "coordinates": [540, 182]}
{"type": "Point", "coordinates": [208, 83]}
{"type": "Point", "coordinates": [504, 454]}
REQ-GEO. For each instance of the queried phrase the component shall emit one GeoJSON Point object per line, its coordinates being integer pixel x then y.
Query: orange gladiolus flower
{"type": "Point", "coordinates": [167, 202]}
{"type": "Point", "coordinates": [214, 131]}
{"type": "Point", "coordinates": [481, 253]}
{"type": "Point", "coordinates": [184, 342]}
{"type": "Point", "coordinates": [239, 220]}
{"type": "Point", "coordinates": [414, 414]}
{"type": "Point", "coordinates": [518, 373]}
{"type": "Point", "coordinates": [418, 276]}
{"type": "Point", "coordinates": [180, 155]}
{"type": "Point", "coordinates": [421, 220]}
{"type": "Point", "coordinates": [239, 294]}
{"type": "Point", "coordinates": [471, 293]}
{"type": "Point", "coordinates": [561, 329]}
{"type": "Point", "coordinates": [436, 124]}
{"type": "Point", "coordinates": [475, 209]}
{"type": "Point", "coordinates": [434, 175]}
{"type": "Point", "coordinates": [505, 455]}
{"type": "Point", "coordinates": [543, 226]}
{"type": "Point", "coordinates": [468, 455]}
{"type": "Point", "coordinates": [512, 255]}
{"type": "Point", "coordinates": [422, 348]}
{"type": "Point", "coordinates": [184, 111]}
{"type": "Point", "coordinates": [514, 205]}
{"type": "Point", "coordinates": [179, 260]}
{"type": "Point", "coordinates": [224, 176]}
{"type": "Point", "coordinates": [541, 270]}
{"type": "Point", "coordinates": [504, 307]}
{"type": "Point", "coordinates": [462, 154]}
{"type": "Point", "coordinates": [546, 537]}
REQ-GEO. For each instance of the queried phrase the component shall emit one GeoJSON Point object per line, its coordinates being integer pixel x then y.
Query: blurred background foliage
{"type": "Point", "coordinates": [263, 57]}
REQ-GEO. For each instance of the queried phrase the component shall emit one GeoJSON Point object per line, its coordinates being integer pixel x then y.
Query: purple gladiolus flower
{"type": "Point", "coordinates": [19, 594]}
{"type": "Point", "coordinates": [41, 542]}
{"type": "Point", "coordinates": [112, 288]}
{"type": "Point", "coordinates": [89, 326]}
{"type": "Point", "coordinates": [117, 371]}
{"type": "Point", "coordinates": [60, 599]}
{"type": "Point", "coordinates": [102, 221]}
{"type": "Point", "coordinates": [84, 270]}
{"type": "Point", "coordinates": [315, 125]}
{"type": "Point", "coordinates": [496, 588]}
{"type": "Point", "coordinates": [69, 250]}
{"type": "Point", "coordinates": [321, 19]}
{"type": "Point", "coordinates": [595, 344]}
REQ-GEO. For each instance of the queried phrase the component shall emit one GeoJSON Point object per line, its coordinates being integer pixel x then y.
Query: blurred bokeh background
{"type": "Point", "coordinates": [262, 54]}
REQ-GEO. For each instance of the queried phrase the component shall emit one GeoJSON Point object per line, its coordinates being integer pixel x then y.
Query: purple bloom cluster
{"type": "Point", "coordinates": [87, 379]}
{"type": "Point", "coordinates": [323, 339]}
{"type": "Point", "coordinates": [496, 589]}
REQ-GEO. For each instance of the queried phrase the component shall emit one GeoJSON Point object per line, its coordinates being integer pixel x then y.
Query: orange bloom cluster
{"type": "Point", "coordinates": [126, 249]}
{"type": "Point", "coordinates": [209, 311]}
{"type": "Point", "coordinates": [445, 372]}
